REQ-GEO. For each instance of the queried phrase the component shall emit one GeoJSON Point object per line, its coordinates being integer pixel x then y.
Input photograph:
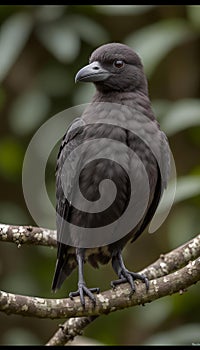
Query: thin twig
{"type": "Point", "coordinates": [69, 330]}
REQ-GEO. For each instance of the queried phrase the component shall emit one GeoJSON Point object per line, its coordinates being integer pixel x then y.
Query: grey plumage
{"type": "Point", "coordinates": [117, 72]}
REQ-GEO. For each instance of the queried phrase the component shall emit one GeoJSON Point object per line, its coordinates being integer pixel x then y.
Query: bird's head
{"type": "Point", "coordinates": [114, 67]}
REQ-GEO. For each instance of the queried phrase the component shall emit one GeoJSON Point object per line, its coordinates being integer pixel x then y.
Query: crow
{"type": "Point", "coordinates": [118, 75]}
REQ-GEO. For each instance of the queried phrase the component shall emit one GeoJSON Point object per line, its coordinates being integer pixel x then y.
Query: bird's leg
{"type": "Point", "coordinates": [125, 275]}
{"type": "Point", "coordinates": [82, 289]}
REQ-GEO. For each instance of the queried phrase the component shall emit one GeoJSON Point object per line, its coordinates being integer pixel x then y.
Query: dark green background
{"type": "Point", "coordinates": [41, 49]}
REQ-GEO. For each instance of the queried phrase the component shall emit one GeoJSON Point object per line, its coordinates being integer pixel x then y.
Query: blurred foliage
{"type": "Point", "coordinates": [42, 47]}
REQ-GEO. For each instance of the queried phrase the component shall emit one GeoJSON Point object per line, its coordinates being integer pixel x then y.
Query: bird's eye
{"type": "Point", "coordinates": [118, 63]}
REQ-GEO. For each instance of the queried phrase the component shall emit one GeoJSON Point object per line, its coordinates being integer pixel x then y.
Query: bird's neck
{"type": "Point", "coordinates": [118, 96]}
{"type": "Point", "coordinates": [139, 99]}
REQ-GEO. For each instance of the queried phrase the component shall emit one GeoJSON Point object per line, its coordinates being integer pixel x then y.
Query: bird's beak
{"type": "Point", "coordinates": [93, 72]}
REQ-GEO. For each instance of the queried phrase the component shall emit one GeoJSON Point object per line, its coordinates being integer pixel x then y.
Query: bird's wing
{"type": "Point", "coordinates": [65, 179]}
{"type": "Point", "coordinates": [66, 262]}
{"type": "Point", "coordinates": [152, 208]}
{"type": "Point", "coordinates": [163, 173]}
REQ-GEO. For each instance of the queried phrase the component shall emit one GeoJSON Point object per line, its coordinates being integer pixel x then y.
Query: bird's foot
{"type": "Point", "coordinates": [84, 291]}
{"type": "Point", "coordinates": [130, 277]}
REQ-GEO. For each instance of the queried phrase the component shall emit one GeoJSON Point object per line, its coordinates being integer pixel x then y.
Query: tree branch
{"type": "Point", "coordinates": [174, 260]}
{"type": "Point", "coordinates": [106, 302]}
{"type": "Point", "coordinates": [27, 234]}
{"type": "Point", "coordinates": [166, 264]}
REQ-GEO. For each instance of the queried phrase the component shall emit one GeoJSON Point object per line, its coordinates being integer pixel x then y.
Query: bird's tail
{"type": "Point", "coordinates": [64, 267]}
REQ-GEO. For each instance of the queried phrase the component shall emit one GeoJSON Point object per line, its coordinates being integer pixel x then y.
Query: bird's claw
{"type": "Point", "coordinates": [130, 277]}
{"type": "Point", "coordinates": [84, 291]}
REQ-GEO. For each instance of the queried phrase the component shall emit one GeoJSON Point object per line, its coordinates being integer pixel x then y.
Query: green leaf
{"type": "Point", "coordinates": [153, 42]}
{"type": "Point", "coordinates": [13, 36]}
{"type": "Point", "coordinates": [28, 111]}
{"type": "Point", "coordinates": [60, 40]}
{"type": "Point", "coordinates": [182, 115]}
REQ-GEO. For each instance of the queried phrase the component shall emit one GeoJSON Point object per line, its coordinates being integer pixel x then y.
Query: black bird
{"type": "Point", "coordinates": [117, 73]}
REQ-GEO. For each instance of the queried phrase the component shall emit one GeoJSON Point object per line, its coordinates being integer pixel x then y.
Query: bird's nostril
{"type": "Point", "coordinates": [96, 68]}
